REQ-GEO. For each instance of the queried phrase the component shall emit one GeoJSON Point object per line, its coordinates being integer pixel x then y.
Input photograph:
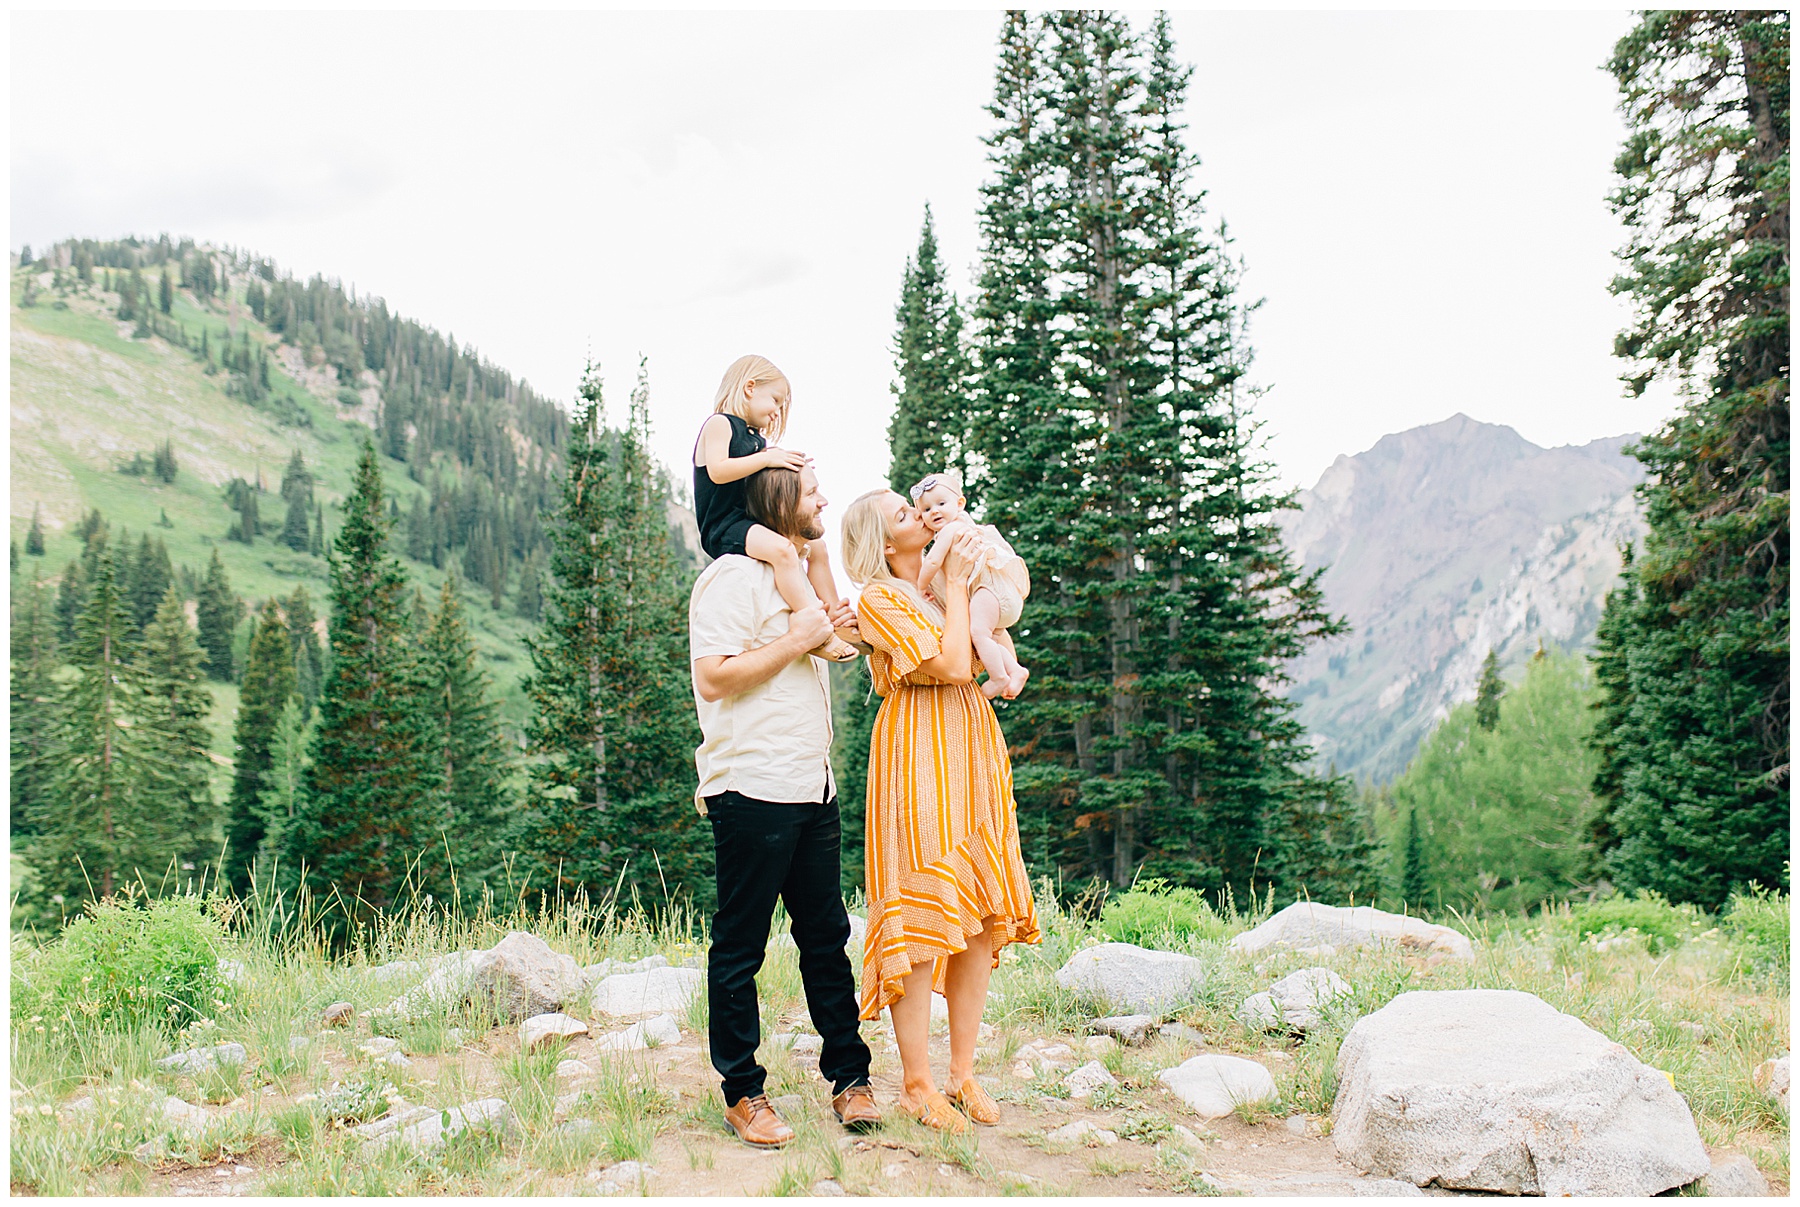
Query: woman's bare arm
{"type": "Point", "coordinates": [955, 660]}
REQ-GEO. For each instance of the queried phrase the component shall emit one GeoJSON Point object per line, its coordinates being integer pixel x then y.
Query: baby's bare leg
{"type": "Point", "coordinates": [984, 626]}
{"type": "Point", "coordinates": [768, 546]}
{"type": "Point", "coordinates": [818, 573]}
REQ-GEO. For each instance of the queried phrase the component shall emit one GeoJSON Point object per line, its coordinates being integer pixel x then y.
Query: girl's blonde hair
{"type": "Point", "coordinates": [745, 374]}
{"type": "Point", "coordinates": [865, 535]}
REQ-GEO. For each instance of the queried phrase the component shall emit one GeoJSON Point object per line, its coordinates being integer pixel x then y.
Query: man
{"type": "Point", "coordinates": [767, 788]}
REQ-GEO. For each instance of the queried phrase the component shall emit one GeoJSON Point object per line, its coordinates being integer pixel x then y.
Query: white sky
{"type": "Point", "coordinates": [1420, 196]}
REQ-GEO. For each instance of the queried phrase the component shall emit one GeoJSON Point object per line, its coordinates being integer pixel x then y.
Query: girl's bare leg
{"type": "Point", "coordinates": [769, 547]}
{"type": "Point", "coordinates": [984, 622]}
{"type": "Point", "coordinates": [911, 1019]}
{"type": "Point", "coordinates": [965, 989]}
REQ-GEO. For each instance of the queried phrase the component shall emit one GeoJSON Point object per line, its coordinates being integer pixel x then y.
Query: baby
{"type": "Point", "coordinates": [997, 588]}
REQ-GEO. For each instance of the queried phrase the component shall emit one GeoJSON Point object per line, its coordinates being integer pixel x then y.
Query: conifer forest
{"type": "Point", "coordinates": [436, 652]}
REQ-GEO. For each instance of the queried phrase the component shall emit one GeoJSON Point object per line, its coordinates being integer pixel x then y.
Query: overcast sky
{"type": "Point", "coordinates": [1420, 197]}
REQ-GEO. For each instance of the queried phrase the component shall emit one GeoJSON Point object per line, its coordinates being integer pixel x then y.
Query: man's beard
{"type": "Point", "coordinates": [811, 529]}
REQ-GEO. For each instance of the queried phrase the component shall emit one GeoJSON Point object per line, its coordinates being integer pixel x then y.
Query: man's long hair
{"type": "Point", "coordinates": [772, 497]}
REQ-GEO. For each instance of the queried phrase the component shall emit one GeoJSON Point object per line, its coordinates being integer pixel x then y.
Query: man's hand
{"type": "Point", "coordinates": [809, 627]}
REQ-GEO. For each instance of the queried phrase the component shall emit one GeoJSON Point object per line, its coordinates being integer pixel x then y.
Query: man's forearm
{"type": "Point", "coordinates": [724, 675]}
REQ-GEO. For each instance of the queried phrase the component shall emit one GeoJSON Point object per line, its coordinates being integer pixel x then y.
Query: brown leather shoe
{"type": "Point", "coordinates": [856, 1109]}
{"type": "Point", "coordinates": [757, 1124]}
{"type": "Point", "coordinates": [975, 1102]}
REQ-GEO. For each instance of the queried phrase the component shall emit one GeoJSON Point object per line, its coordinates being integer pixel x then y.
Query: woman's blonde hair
{"type": "Point", "coordinates": [745, 374]}
{"type": "Point", "coordinates": [865, 536]}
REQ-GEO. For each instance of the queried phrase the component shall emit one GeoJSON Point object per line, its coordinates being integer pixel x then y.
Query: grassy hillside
{"type": "Point", "coordinates": [87, 397]}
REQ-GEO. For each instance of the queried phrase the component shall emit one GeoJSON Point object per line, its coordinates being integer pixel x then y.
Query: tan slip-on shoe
{"type": "Point", "coordinates": [856, 1109]}
{"type": "Point", "coordinates": [975, 1102]}
{"type": "Point", "coordinates": [757, 1124]}
{"type": "Point", "coordinates": [937, 1113]}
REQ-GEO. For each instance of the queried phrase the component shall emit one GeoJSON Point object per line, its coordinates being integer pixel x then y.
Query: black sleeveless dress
{"type": "Point", "coordinates": [719, 506]}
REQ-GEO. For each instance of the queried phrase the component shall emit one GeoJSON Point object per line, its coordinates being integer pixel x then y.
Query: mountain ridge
{"type": "Point", "coordinates": [1437, 543]}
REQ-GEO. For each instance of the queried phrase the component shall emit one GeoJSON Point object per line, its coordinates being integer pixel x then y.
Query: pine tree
{"type": "Point", "coordinates": [1413, 885]}
{"type": "Point", "coordinates": [71, 598]}
{"type": "Point", "coordinates": [151, 576]}
{"type": "Point", "coordinates": [282, 783]}
{"type": "Point", "coordinates": [468, 744]}
{"type": "Point", "coordinates": [1703, 805]}
{"type": "Point", "coordinates": [294, 532]}
{"type": "Point", "coordinates": [34, 536]}
{"type": "Point", "coordinates": [1488, 692]}
{"type": "Point", "coordinates": [100, 826]}
{"type": "Point", "coordinates": [268, 684]}
{"type": "Point", "coordinates": [166, 293]}
{"type": "Point", "coordinates": [217, 612]}
{"type": "Point", "coordinates": [177, 739]}
{"type": "Point", "coordinates": [929, 429]}
{"type": "Point", "coordinates": [34, 692]}
{"type": "Point", "coordinates": [318, 531]}
{"type": "Point", "coordinates": [612, 728]}
{"type": "Point", "coordinates": [369, 811]}
{"type": "Point", "coordinates": [528, 601]}
{"type": "Point", "coordinates": [309, 657]}
{"type": "Point", "coordinates": [163, 463]}
{"type": "Point", "coordinates": [1614, 740]}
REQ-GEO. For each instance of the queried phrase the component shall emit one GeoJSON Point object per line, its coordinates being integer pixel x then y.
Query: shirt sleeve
{"type": "Point", "coordinates": [722, 616]}
{"type": "Point", "coordinates": [894, 625]}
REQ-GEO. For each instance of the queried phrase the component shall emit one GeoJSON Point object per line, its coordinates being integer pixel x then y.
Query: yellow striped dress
{"type": "Point", "coordinates": [942, 843]}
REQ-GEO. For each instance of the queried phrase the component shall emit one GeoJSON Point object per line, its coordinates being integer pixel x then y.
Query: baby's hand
{"type": "Point", "coordinates": [784, 458]}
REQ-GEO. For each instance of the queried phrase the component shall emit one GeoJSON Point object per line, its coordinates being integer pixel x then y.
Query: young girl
{"type": "Point", "coordinates": [750, 410]}
{"type": "Point", "coordinates": [997, 588]}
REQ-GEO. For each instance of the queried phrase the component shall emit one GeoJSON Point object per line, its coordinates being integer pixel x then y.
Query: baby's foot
{"type": "Point", "coordinates": [836, 649]}
{"type": "Point", "coordinates": [1017, 684]}
{"type": "Point", "coordinates": [992, 687]}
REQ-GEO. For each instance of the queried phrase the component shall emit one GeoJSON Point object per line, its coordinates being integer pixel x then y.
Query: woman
{"type": "Point", "coordinates": [946, 883]}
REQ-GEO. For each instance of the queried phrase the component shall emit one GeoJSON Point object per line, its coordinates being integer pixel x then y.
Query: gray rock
{"type": "Point", "coordinates": [1735, 1177]}
{"type": "Point", "coordinates": [1215, 1086]}
{"type": "Point", "coordinates": [1295, 1002]}
{"type": "Point", "coordinates": [630, 1173]}
{"type": "Point", "coordinates": [1385, 1188]}
{"type": "Point", "coordinates": [1136, 979]}
{"type": "Point", "coordinates": [1097, 1045]}
{"type": "Point", "coordinates": [1487, 1089]}
{"type": "Point", "coordinates": [1089, 1077]}
{"type": "Point", "coordinates": [338, 1014]}
{"type": "Point", "coordinates": [573, 1070]}
{"type": "Point", "coordinates": [1309, 924]}
{"type": "Point", "coordinates": [378, 1046]}
{"type": "Point", "coordinates": [184, 1115]}
{"type": "Point", "coordinates": [438, 1126]}
{"type": "Point", "coordinates": [1126, 1028]}
{"type": "Point", "coordinates": [541, 1030]}
{"type": "Point", "coordinates": [656, 991]}
{"type": "Point", "coordinates": [393, 1121]}
{"type": "Point", "coordinates": [203, 1060]}
{"type": "Point", "coordinates": [519, 976]}
{"type": "Point", "coordinates": [1181, 1033]}
{"type": "Point", "coordinates": [1691, 1029]}
{"type": "Point", "coordinates": [397, 1060]}
{"type": "Point", "coordinates": [232, 971]}
{"type": "Point", "coordinates": [651, 1033]}
{"type": "Point", "coordinates": [1771, 1077]}
{"type": "Point", "coordinates": [827, 1188]}
{"type": "Point", "coordinates": [575, 1129]}
{"type": "Point", "coordinates": [1084, 1133]}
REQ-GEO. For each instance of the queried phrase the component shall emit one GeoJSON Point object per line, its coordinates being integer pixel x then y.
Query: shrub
{"type": "Point", "coordinates": [1155, 909]}
{"type": "Point", "coordinates": [1663, 926]}
{"type": "Point", "coordinates": [126, 964]}
{"type": "Point", "coordinates": [1757, 923]}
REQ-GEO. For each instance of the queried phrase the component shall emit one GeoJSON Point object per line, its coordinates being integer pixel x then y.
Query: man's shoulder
{"type": "Point", "coordinates": [732, 575]}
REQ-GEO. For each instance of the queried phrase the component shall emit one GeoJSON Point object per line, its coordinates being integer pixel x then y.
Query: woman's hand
{"type": "Point", "coordinates": [784, 458]}
{"type": "Point", "coordinates": [959, 562]}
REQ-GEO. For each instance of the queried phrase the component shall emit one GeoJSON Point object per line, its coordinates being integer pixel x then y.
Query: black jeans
{"type": "Point", "coordinates": [766, 850]}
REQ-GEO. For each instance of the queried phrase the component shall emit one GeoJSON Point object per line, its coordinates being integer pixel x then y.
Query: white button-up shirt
{"type": "Point", "coordinates": [772, 742]}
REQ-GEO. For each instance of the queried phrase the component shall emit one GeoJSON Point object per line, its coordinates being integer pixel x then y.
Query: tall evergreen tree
{"type": "Point", "coordinates": [100, 825]}
{"type": "Point", "coordinates": [309, 656]}
{"type": "Point", "coordinates": [1614, 739]}
{"type": "Point", "coordinates": [1703, 804]}
{"type": "Point", "coordinates": [166, 293]}
{"type": "Point", "coordinates": [267, 685]}
{"type": "Point", "coordinates": [33, 703]}
{"type": "Point", "coordinates": [282, 784]}
{"type": "Point", "coordinates": [468, 744]}
{"type": "Point", "coordinates": [297, 490]}
{"type": "Point", "coordinates": [1413, 887]}
{"type": "Point", "coordinates": [612, 726]}
{"type": "Point", "coordinates": [929, 430]}
{"type": "Point", "coordinates": [217, 612]}
{"type": "Point", "coordinates": [369, 816]}
{"type": "Point", "coordinates": [71, 598]}
{"type": "Point", "coordinates": [34, 536]}
{"type": "Point", "coordinates": [1488, 692]}
{"type": "Point", "coordinates": [177, 739]}
{"type": "Point", "coordinates": [150, 579]}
